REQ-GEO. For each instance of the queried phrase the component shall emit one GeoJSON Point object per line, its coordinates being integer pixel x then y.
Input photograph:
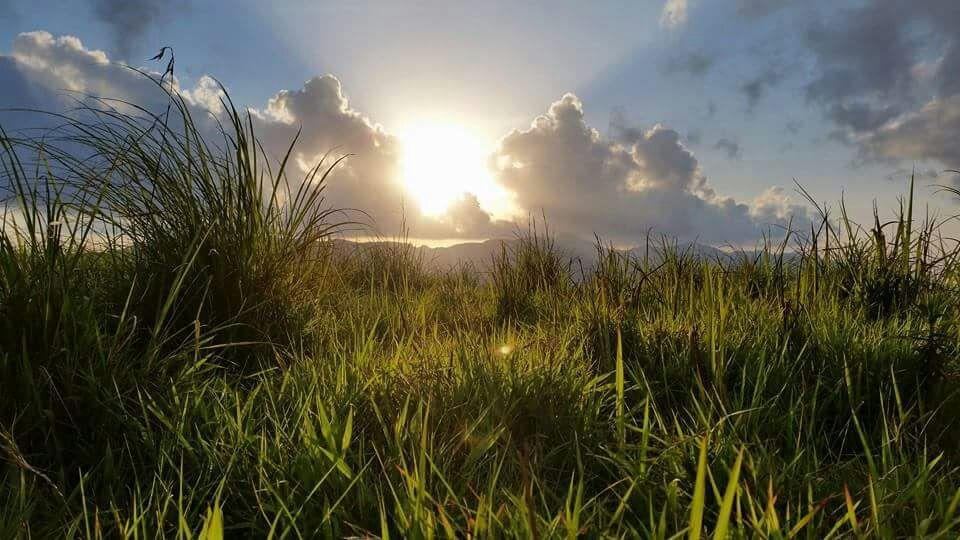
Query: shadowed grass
{"type": "Point", "coordinates": [185, 353]}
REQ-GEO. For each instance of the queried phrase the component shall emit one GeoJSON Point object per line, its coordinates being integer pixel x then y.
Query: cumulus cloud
{"type": "Point", "coordinates": [617, 186]}
{"type": "Point", "coordinates": [775, 206]}
{"type": "Point", "coordinates": [17, 91]}
{"type": "Point", "coordinates": [207, 94]}
{"type": "Point", "coordinates": [467, 219]}
{"type": "Point", "coordinates": [62, 69]}
{"type": "Point", "coordinates": [322, 114]}
{"type": "Point", "coordinates": [674, 13]}
{"type": "Point", "coordinates": [620, 187]}
{"type": "Point", "coordinates": [58, 73]}
{"type": "Point", "coordinates": [53, 73]}
{"type": "Point", "coordinates": [368, 180]}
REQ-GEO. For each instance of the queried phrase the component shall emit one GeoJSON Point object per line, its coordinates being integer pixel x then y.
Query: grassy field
{"type": "Point", "coordinates": [183, 354]}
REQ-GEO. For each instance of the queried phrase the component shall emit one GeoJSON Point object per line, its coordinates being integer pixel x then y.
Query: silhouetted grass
{"type": "Point", "coordinates": [184, 352]}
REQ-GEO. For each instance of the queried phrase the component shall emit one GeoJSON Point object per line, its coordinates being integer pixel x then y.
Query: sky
{"type": "Point", "coordinates": [693, 118]}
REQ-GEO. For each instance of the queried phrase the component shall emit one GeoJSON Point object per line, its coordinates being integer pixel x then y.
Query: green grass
{"type": "Point", "coordinates": [183, 353]}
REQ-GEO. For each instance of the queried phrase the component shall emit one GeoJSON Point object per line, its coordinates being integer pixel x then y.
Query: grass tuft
{"type": "Point", "coordinates": [186, 351]}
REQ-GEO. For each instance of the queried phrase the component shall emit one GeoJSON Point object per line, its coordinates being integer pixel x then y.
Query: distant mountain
{"type": "Point", "coordinates": [480, 254]}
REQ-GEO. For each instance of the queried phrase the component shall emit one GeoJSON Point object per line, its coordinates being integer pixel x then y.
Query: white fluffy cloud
{"type": "Point", "coordinates": [52, 73]}
{"type": "Point", "coordinates": [58, 73]}
{"type": "Point", "coordinates": [63, 66]}
{"type": "Point", "coordinates": [320, 111]}
{"type": "Point", "coordinates": [622, 187]}
{"type": "Point", "coordinates": [617, 187]}
{"type": "Point", "coordinates": [368, 179]}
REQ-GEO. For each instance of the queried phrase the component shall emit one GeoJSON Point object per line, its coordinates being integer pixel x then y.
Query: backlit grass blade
{"type": "Point", "coordinates": [726, 505]}
{"type": "Point", "coordinates": [698, 503]}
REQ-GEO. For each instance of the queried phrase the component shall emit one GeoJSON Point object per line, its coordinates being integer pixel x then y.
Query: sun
{"type": "Point", "coordinates": [441, 162]}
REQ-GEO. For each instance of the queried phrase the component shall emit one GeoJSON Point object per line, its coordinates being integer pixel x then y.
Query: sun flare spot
{"type": "Point", "coordinates": [443, 161]}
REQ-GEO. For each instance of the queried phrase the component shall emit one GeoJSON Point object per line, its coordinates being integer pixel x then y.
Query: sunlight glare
{"type": "Point", "coordinates": [443, 161]}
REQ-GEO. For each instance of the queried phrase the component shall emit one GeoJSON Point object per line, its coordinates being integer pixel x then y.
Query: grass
{"type": "Point", "coordinates": [184, 353]}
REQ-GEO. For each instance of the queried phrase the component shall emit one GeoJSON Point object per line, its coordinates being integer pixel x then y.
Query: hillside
{"type": "Point", "coordinates": [580, 253]}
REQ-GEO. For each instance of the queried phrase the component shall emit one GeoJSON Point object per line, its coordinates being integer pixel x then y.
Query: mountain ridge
{"type": "Point", "coordinates": [481, 253]}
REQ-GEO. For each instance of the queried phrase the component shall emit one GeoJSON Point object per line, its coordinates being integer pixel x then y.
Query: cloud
{"type": "Point", "coordinates": [864, 51]}
{"type": "Point", "coordinates": [697, 64]}
{"type": "Point", "coordinates": [930, 132]}
{"type": "Point", "coordinates": [729, 147]}
{"type": "Point", "coordinates": [17, 91]}
{"type": "Point", "coordinates": [902, 174]}
{"type": "Point", "coordinates": [622, 186]}
{"type": "Point", "coordinates": [368, 180]}
{"type": "Point", "coordinates": [760, 8]}
{"type": "Point", "coordinates": [322, 114]}
{"type": "Point", "coordinates": [889, 78]}
{"type": "Point", "coordinates": [52, 73]}
{"type": "Point", "coordinates": [755, 89]}
{"type": "Point", "coordinates": [618, 186]}
{"type": "Point", "coordinates": [775, 207]}
{"type": "Point", "coordinates": [674, 13]}
{"type": "Point", "coordinates": [467, 219]}
{"type": "Point", "coordinates": [56, 73]}
{"type": "Point", "coordinates": [207, 94]}
{"type": "Point", "coordinates": [130, 19]}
